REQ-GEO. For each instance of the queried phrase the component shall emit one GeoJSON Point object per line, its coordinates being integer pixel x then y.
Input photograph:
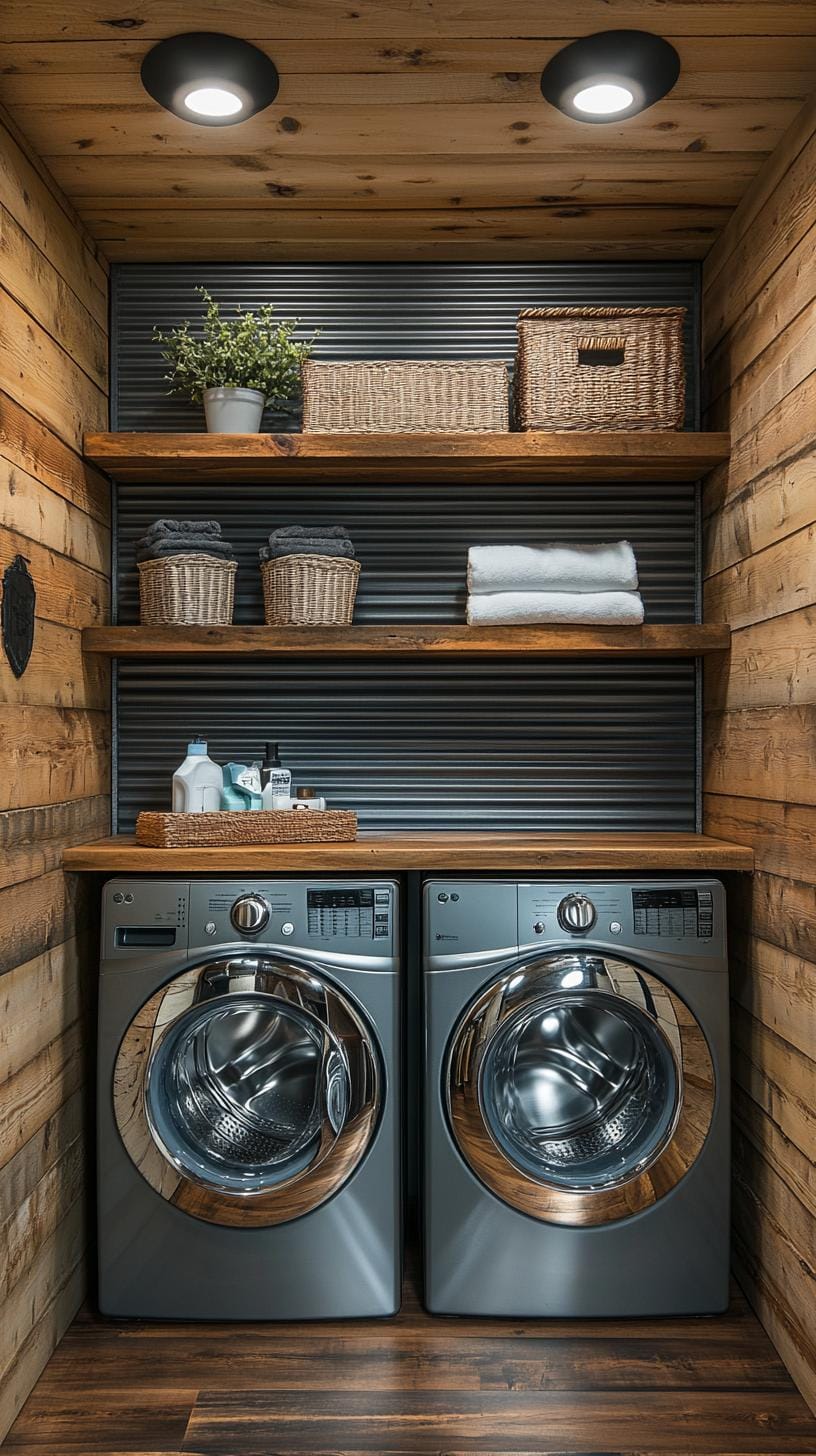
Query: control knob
{"type": "Point", "coordinates": [249, 914]}
{"type": "Point", "coordinates": [576, 913]}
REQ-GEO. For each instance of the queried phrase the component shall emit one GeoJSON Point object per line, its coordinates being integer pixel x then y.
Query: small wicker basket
{"type": "Point", "coordinates": [309, 591]}
{"type": "Point", "coordinates": [193, 590]}
{"type": "Point", "coordinates": [405, 397]}
{"type": "Point", "coordinates": [600, 369]}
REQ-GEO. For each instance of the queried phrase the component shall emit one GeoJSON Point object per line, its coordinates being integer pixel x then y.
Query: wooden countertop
{"type": "Point", "coordinates": [381, 853]}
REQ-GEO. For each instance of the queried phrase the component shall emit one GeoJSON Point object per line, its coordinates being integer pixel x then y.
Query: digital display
{"type": "Point", "coordinates": [339, 899]}
{"type": "Point", "coordinates": [663, 899]}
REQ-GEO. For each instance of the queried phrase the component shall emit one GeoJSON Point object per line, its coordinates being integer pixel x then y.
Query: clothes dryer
{"type": "Point", "coordinates": [576, 1101]}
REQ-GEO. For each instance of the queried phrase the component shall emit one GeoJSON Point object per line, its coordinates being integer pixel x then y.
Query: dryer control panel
{"type": "Point", "coordinates": [668, 916]}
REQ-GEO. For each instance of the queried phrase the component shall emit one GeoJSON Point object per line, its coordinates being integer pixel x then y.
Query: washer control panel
{"type": "Point", "coordinates": [352, 920]}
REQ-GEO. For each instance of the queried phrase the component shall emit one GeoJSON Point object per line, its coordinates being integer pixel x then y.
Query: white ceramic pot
{"type": "Point", "coordinates": [233, 411]}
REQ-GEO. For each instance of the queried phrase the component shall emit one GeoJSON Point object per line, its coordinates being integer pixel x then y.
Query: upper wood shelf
{"type": "Point", "coordinates": [408, 641]}
{"type": "Point", "coordinates": [636, 455]}
{"type": "Point", "coordinates": [385, 853]}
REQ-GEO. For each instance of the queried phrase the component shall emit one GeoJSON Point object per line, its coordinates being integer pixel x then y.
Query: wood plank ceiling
{"type": "Point", "coordinates": [405, 128]}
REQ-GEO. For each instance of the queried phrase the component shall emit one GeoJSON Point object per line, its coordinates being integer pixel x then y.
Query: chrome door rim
{"type": "Point", "coordinates": [538, 981]}
{"type": "Point", "coordinates": [339, 1150]}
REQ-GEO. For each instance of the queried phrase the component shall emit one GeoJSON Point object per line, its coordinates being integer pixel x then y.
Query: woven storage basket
{"type": "Point", "coordinates": [188, 591]}
{"type": "Point", "coordinates": [404, 397]}
{"type": "Point", "coordinates": [600, 369]}
{"type": "Point", "coordinates": [257, 826]}
{"type": "Point", "coordinates": [309, 591]}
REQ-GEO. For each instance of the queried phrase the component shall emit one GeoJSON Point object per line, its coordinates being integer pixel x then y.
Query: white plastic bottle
{"type": "Point", "coordinates": [197, 782]}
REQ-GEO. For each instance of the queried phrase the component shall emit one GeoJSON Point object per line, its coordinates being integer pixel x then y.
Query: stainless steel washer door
{"type": "Point", "coordinates": [247, 1090]}
{"type": "Point", "coordinates": [579, 1088]}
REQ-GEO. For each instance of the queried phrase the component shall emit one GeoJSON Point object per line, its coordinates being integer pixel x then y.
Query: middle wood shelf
{"type": "Point", "coordinates": [657, 640]}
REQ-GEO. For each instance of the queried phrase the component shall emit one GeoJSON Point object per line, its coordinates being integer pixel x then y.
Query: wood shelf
{"type": "Point", "coordinates": [535, 456]}
{"type": "Point", "coordinates": [386, 853]}
{"type": "Point", "coordinates": [408, 641]}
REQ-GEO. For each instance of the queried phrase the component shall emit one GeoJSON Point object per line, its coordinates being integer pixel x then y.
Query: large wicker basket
{"type": "Point", "coordinates": [309, 591]}
{"type": "Point", "coordinates": [600, 369]}
{"type": "Point", "coordinates": [193, 590]}
{"type": "Point", "coordinates": [405, 397]}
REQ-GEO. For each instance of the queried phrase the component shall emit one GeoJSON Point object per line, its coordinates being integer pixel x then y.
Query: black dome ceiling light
{"type": "Point", "coordinates": [211, 79]}
{"type": "Point", "coordinates": [610, 75]}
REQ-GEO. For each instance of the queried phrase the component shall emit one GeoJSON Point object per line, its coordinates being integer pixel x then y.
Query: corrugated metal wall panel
{"type": "Point", "coordinates": [559, 746]}
{"type": "Point", "coordinates": [425, 744]}
{"type": "Point", "coordinates": [373, 311]}
{"type": "Point", "coordinates": [412, 541]}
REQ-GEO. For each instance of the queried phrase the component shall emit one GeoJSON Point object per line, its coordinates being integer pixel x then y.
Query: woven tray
{"type": "Point", "coordinates": [247, 826]}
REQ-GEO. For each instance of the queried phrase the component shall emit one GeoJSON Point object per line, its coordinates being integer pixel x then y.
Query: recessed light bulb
{"type": "Point", "coordinates": [603, 100]}
{"type": "Point", "coordinates": [213, 101]}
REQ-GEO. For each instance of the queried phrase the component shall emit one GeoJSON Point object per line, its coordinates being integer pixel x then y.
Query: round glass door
{"type": "Point", "coordinates": [247, 1090]}
{"type": "Point", "coordinates": [237, 1092]}
{"type": "Point", "coordinates": [579, 1089]}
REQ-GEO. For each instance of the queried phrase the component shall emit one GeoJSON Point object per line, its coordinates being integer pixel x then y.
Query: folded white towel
{"type": "Point", "coordinates": [554, 568]}
{"type": "Point", "coordinates": [594, 608]}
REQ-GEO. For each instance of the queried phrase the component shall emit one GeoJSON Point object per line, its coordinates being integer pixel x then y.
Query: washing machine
{"type": "Point", "coordinates": [248, 1099]}
{"type": "Point", "coordinates": [576, 1102]}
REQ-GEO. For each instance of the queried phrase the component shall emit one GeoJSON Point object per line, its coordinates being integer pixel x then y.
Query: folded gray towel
{"type": "Point", "coordinates": [310, 532]}
{"type": "Point", "coordinates": [317, 535]}
{"type": "Point", "coordinates": [315, 543]}
{"type": "Point", "coordinates": [299, 547]}
{"type": "Point", "coordinates": [162, 528]}
{"type": "Point", "coordinates": [185, 546]}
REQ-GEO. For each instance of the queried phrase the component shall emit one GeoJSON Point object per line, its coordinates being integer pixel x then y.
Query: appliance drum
{"type": "Point", "coordinates": [236, 1092]}
{"type": "Point", "coordinates": [580, 1091]}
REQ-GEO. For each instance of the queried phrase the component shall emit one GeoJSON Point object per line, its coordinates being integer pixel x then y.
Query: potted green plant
{"type": "Point", "coordinates": [234, 365]}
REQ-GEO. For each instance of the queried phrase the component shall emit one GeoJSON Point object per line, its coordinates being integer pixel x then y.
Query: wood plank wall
{"type": "Point", "coordinates": [55, 735]}
{"type": "Point", "coordinates": [760, 776]}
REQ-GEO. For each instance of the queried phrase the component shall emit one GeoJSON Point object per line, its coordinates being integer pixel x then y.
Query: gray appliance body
{"type": "Point", "coordinates": [482, 1254]}
{"type": "Point", "coordinates": [330, 1254]}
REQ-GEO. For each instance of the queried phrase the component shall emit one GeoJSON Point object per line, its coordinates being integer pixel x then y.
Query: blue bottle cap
{"type": "Point", "coordinates": [197, 749]}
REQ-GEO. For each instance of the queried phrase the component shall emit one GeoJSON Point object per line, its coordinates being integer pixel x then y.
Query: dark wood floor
{"type": "Point", "coordinates": [417, 1385]}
